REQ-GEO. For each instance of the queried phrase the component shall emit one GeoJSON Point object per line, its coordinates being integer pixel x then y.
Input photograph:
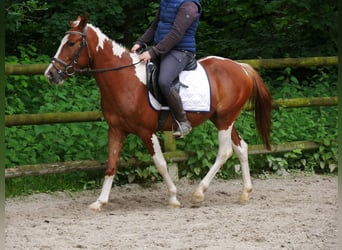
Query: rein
{"type": "Point", "coordinates": [70, 70]}
{"type": "Point", "coordinates": [90, 70]}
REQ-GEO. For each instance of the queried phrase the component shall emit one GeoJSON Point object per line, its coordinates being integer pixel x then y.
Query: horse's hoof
{"type": "Point", "coordinates": [96, 206]}
{"type": "Point", "coordinates": [244, 197]}
{"type": "Point", "coordinates": [174, 203]}
{"type": "Point", "coordinates": [197, 197]}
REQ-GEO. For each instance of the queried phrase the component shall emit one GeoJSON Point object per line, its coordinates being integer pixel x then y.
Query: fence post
{"type": "Point", "coordinates": [170, 146]}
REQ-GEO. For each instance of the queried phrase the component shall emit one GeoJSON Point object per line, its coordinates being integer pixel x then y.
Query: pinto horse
{"type": "Point", "coordinates": [121, 78]}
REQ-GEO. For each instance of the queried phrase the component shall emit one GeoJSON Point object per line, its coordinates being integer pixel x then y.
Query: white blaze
{"type": "Point", "coordinates": [63, 42]}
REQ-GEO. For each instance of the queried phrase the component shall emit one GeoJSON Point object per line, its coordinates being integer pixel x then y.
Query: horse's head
{"type": "Point", "coordinates": [73, 53]}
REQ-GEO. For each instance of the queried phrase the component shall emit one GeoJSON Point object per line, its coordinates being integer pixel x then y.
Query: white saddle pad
{"type": "Point", "coordinates": [195, 93]}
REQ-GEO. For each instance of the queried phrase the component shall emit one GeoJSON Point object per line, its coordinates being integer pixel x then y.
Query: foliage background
{"type": "Point", "coordinates": [229, 28]}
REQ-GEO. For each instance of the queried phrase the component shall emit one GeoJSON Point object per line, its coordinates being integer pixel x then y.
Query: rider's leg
{"type": "Point", "coordinates": [171, 64]}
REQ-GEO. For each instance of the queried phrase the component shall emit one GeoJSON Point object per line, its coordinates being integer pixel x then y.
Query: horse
{"type": "Point", "coordinates": [121, 78]}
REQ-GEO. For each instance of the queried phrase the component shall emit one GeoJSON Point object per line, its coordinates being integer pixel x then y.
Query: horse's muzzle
{"type": "Point", "coordinates": [53, 75]}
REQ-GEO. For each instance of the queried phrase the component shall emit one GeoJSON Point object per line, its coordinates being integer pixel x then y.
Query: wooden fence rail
{"type": "Point", "coordinates": [172, 155]}
{"type": "Point", "coordinates": [277, 63]}
{"type": "Point", "coordinates": [92, 116]}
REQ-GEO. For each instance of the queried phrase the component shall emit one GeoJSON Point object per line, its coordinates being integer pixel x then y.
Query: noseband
{"type": "Point", "coordinates": [69, 69]}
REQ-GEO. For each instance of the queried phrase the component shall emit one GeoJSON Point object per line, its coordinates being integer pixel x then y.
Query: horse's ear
{"type": "Point", "coordinates": [83, 21]}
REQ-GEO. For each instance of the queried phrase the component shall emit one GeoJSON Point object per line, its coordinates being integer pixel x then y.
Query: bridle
{"type": "Point", "coordinates": [70, 69]}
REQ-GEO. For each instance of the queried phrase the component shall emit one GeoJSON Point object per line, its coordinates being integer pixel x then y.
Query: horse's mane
{"type": "Point", "coordinates": [118, 49]}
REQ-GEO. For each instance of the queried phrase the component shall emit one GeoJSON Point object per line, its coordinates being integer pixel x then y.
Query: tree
{"type": "Point", "coordinates": [268, 29]}
{"type": "Point", "coordinates": [229, 28]}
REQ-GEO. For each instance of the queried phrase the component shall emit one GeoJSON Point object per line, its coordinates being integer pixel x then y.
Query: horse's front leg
{"type": "Point", "coordinates": [115, 142]}
{"type": "Point", "coordinates": [159, 161]}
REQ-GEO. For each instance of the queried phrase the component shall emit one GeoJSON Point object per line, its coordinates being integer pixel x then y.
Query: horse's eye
{"type": "Point", "coordinates": [71, 44]}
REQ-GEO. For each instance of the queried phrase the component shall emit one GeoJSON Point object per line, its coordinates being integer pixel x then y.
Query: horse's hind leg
{"type": "Point", "coordinates": [224, 152]}
{"type": "Point", "coordinates": [240, 147]}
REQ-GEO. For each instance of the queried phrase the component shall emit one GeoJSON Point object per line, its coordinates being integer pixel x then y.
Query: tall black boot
{"type": "Point", "coordinates": [176, 106]}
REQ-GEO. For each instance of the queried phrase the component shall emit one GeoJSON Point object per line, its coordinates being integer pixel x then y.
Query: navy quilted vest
{"type": "Point", "coordinates": [168, 12]}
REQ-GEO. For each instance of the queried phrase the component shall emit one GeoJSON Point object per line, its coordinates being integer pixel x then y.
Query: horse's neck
{"type": "Point", "coordinates": [106, 51]}
{"type": "Point", "coordinates": [121, 84]}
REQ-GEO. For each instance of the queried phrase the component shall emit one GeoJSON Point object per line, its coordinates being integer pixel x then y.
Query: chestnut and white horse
{"type": "Point", "coordinates": [121, 78]}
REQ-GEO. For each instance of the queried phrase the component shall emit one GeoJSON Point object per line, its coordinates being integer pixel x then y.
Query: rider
{"type": "Point", "coordinates": [173, 35]}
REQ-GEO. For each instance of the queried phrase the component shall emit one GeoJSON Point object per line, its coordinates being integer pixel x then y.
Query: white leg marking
{"type": "Point", "coordinates": [242, 153]}
{"type": "Point", "coordinates": [224, 152]}
{"type": "Point", "coordinates": [161, 165]}
{"type": "Point", "coordinates": [104, 196]}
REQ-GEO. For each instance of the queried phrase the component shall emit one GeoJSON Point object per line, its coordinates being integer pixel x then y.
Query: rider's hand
{"type": "Point", "coordinates": [145, 56]}
{"type": "Point", "coordinates": [135, 48]}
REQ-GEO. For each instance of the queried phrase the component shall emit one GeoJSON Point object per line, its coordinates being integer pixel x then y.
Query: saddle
{"type": "Point", "coordinates": [152, 75]}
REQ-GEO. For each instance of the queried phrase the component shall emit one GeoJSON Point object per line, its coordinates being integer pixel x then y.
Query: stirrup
{"type": "Point", "coordinates": [183, 129]}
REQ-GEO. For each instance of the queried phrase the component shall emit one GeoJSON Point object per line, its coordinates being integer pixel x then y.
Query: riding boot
{"type": "Point", "coordinates": [176, 106]}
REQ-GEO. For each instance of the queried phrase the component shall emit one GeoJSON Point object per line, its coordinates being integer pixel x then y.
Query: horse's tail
{"type": "Point", "coordinates": [261, 101]}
